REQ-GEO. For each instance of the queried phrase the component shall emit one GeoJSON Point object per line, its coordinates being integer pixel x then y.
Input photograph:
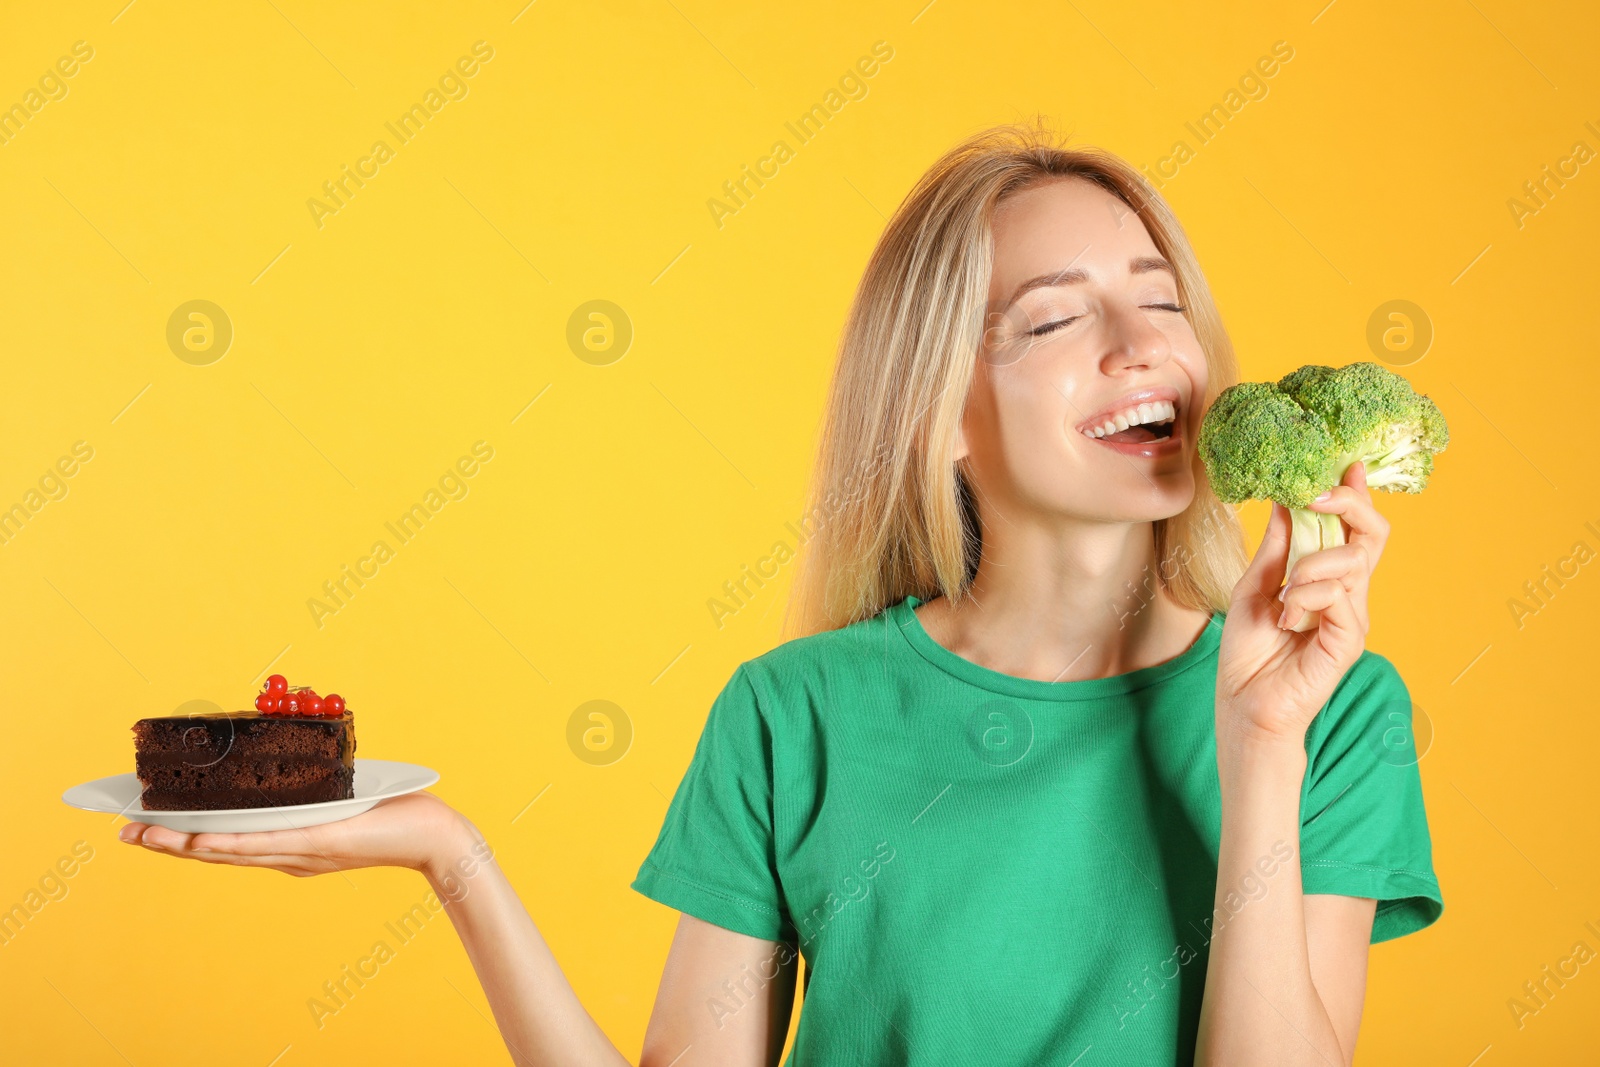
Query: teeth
{"type": "Point", "coordinates": [1144, 414]}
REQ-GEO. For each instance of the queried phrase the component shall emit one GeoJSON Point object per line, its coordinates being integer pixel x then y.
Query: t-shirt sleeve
{"type": "Point", "coordinates": [1363, 827]}
{"type": "Point", "coordinates": [715, 857]}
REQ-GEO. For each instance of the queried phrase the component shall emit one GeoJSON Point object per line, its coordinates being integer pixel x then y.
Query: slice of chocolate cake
{"type": "Point", "coordinates": [246, 759]}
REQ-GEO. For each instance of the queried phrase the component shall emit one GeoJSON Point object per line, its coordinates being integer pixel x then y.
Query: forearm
{"type": "Point", "coordinates": [1260, 1005]}
{"type": "Point", "coordinates": [539, 1014]}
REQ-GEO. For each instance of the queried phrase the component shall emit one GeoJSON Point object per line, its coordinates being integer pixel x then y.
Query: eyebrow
{"type": "Point", "coordinates": [1075, 275]}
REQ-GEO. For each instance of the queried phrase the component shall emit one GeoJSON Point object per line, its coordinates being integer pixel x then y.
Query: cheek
{"type": "Point", "coordinates": [1187, 353]}
{"type": "Point", "coordinates": [1032, 414]}
{"type": "Point", "coordinates": [1018, 391]}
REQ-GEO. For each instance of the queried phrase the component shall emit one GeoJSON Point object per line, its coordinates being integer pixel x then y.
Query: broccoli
{"type": "Point", "coordinates": [1295, 438]}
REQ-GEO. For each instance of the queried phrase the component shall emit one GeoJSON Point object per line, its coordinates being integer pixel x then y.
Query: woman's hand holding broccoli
{"type": "Point", "coordinates": [1272, 680]}
{"type": "Point", "coordinates": [1334, 431]}
{"type": "Point", "coordinates": [1289, 441]}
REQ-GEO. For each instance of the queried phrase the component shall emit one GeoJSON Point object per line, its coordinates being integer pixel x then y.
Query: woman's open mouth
{"type": "Point", "coordinates": [1147, 428]}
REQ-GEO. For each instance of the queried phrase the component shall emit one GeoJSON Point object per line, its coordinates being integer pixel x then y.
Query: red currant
{"type": "Point", "coordinates": [333, 704]}
{"type": "Point", "coordinates": [277, 685]}
{"type": "Point", "coordinates": [291, 703]}
{"type": "Point", "coordinates": [312, 705]}
{"type": "Point", "coordinates": [264, 703]}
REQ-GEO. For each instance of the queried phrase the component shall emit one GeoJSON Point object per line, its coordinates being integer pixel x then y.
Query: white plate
{"type": "Point", "coordinates": [376, 779]}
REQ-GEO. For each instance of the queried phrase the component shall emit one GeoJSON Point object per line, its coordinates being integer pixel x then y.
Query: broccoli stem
{"type": "Point", "coordinates": [1383, 468]}
{"type": "Point", "coordinates": [1310, 531]}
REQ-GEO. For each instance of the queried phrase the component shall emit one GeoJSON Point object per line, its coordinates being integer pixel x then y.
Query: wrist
{"type": "Point", "coordinates": [455, 850]}
{"type": "Point", "coordinates": [1243, 727]}
{"type": "Point", "coordinates": [1247, 757]}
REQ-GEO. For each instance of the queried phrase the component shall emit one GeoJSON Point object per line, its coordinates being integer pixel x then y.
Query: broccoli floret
{"type": "Point", "coordinates": [1295, 438]}
{"type": "Point", "coordinates": [1259, 444]}
{"type": "Point", "coordinates": [1376, 418]}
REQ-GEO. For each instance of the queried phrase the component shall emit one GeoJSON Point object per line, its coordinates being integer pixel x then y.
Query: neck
{"type": "Point", "coordinates": [1083, 600]}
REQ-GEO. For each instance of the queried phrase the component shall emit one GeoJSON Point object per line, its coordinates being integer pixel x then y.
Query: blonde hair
{"type": "Point", "coordinates": [893, 514]}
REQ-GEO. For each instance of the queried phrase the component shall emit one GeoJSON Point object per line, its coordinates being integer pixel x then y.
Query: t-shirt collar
{"type": "Point", "coordinates": [903, 618]}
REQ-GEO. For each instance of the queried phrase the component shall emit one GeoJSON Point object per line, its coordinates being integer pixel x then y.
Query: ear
{"type": "Point", "coordinates": [962, 450]}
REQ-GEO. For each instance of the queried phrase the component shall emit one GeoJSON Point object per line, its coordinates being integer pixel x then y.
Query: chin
{"type": "Point", "coordinates": [1167, 500]}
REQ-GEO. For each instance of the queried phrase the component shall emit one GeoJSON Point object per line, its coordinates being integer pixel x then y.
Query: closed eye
{"type": "Point", "coordinates": [1049, 327]}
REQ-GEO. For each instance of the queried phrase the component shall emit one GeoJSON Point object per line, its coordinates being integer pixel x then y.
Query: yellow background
{"type": "Point", "coordinates": [370, 353]}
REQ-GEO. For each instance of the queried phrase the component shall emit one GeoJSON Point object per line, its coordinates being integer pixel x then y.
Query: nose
{"type": "Point", "coordinates": [1133, 340]}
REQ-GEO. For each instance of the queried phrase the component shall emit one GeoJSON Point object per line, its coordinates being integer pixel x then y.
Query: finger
{"type": "Point", "coordinates": [152, 836]}
{"type": "Point", "coordinates": [1341, 628]}
{"type": "Point", "coordinates": [1356, 476]}
{"type": "Point", "coordinates": [295, 865]}
{"type": "Point", "coordinates": [182, 848]}
{"type": "Point", "coordinates": [265, 847]}
{"type": "Point", "coordinates": [1265, 573]}
{"type": "Point", "coordinates": [288, 864]}
{"type": "Point", "coordinates": [1346, 564]}
{"type": "Point", "coordinates": [1308, 597]}
{"type": "Point", "coordinates": [1349, 564]}
{"type": "Point", "coordinates": [1359, 516]}
{"type": "Point", "coordinates": [1330, 599]}
{"type": "Point", "coordinates": [161, 839]}
{"type": "Point", "coordinates": [1354, 507]}
{"type": "Point", "coordinates": [261, 843]}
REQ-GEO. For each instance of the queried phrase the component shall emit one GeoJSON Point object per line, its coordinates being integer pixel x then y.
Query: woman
{"type": "Point", "coordinates": [1048, 778]}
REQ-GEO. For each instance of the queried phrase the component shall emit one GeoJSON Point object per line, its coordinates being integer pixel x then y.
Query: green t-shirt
{"type": "Point", "coordinates": [981, 868]}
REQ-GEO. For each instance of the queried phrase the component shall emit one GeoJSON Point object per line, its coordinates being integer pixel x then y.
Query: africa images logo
{"type": "Point", "coordinates": [999, 732]}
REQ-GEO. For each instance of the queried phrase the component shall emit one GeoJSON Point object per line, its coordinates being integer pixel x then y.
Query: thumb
{"type": "Point", "coordinates": [1265, 574]}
